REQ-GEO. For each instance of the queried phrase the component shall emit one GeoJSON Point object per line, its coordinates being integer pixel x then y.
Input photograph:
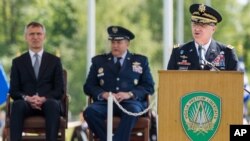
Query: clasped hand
{"type": "Point", "coordinates": [120, 96]}
{"type": "Point", "coordinates": [36, 101]}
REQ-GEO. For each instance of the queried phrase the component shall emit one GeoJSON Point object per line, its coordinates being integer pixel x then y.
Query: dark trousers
{"type": "Point", "coordinates": [21, 109]}
{"type": "Point", "coordinates": [96, 114]}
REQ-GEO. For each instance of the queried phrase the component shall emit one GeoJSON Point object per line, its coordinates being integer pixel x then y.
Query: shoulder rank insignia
{"type": "Point", "coordinates": [176, 45]}
{"type": "Point", "coordinates": [230, 46]}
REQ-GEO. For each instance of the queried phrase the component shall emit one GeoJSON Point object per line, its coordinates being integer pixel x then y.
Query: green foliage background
{"type": "Point", "coordinates": [66, 23]}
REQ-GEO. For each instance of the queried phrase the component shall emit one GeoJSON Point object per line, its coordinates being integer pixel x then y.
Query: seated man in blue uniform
{"type": "Point", "coordinates": [127, 76]}
{"type": "Point", "coordinates": [203, 53]}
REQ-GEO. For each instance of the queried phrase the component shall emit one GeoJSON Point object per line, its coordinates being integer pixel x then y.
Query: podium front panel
{"type": "Point", "coordinates": [173, 85]}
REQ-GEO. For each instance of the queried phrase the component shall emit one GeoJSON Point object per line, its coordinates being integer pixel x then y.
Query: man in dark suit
{"type": "Point", "coordinates": [204, 53]}
{"type": "Point", "coordinates": [127, 76]}
{"type": "Point", "coordinates": [36, 85]}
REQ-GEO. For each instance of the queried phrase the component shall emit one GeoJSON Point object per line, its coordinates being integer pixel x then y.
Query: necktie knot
{"type": "Point", "coordinates": [119, 58]}
{"type": "Point", "coordinates": [118, 63]}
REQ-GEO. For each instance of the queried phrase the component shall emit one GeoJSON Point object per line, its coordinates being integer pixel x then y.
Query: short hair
{"type": "Point", "coordinates": [34, 24]}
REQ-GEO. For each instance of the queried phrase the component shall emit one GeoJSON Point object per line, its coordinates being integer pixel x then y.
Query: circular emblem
{"type": "Point", "coordinates": [100, 70]}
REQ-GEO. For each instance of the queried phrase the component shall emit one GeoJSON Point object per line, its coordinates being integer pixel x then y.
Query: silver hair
{"type": "Point", "coordinates": [34, 24]}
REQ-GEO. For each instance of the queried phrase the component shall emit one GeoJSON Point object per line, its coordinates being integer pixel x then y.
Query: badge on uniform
{"type": "Point", "coordinates": [181, 52]}
{"type": "Point", "coordinates": [184, 63]}
{"type": "Point", "coordinates": [183, 57]}
{"type": "Point", "coordinates": [137, 67]}
{"type": "Point", "coordinates": [135, 81]}
{"type": "Point", "coordinates": [219, 61]}
{"type": "Point", "coordinates": [100, 72]}
{"type": "Point", "coordinates": [101, 82]}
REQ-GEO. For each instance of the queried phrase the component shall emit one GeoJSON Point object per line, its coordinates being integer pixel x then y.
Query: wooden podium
{"type": "Point", "coordinates": [173, 85]}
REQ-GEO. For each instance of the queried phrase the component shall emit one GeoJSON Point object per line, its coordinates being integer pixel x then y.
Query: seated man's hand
{"type": "Point", "coordinates": [105, 95]}
{"type": "Point", "coordinates": [120, 96]}
{"type": "Point", "coordinates": [40, 101]}
{"type": "Point", "coordinates": [35, 101]}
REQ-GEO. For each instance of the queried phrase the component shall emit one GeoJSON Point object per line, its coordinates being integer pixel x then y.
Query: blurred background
{"type": "Point", "coordinates": [67, 33]}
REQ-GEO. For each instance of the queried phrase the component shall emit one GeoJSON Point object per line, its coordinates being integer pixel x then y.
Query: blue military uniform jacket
{"type": "Point", "coordinates": [133, 76]}
{"type": "Point", "coordinates": [185, 57]}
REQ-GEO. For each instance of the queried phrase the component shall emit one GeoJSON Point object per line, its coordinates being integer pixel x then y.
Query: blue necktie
{"type": "Point", "coordinates": [118, 64]}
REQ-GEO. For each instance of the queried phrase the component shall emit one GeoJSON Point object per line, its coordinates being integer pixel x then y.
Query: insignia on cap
{"type": "Point", "coordinates": [202, 8]}
{"type": "Point", "coordinates": [114, 29]}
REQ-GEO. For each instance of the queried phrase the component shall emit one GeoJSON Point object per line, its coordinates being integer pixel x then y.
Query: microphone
{"type": "Point", "coordinates": [210, 64]}
{"type": "Point", "coordinates": [246, 91]}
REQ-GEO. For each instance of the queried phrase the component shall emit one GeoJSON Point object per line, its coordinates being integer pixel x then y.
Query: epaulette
{"type": "Point", "coordinates": [230, 46]}
{"type": "Point", "coordinates": [176, 45]}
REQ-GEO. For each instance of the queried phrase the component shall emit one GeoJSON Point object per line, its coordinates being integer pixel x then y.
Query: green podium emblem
{"type": "Point", "coordinates": [200, 115]}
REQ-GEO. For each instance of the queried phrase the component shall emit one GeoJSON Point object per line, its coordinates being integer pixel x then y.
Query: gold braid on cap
{"type": "Point", "coordinates": [204, 20]}
{"type": "Point", "coordinates": [205, 14]}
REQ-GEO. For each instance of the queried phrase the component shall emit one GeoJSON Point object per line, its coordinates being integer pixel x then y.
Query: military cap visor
{"type": "Point", "coordinates": [204, 14]}
{"type": "Point", "coordinates": [119, 33]}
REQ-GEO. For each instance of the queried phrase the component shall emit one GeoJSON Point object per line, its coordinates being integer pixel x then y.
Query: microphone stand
{"type": "Point", "coordinates": [210, 64]}
{"type": "Point", "coordinates": [246, 91]}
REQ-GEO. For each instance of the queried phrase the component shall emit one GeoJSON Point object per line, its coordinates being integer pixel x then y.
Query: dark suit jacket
{"type": "Point", "coordinates": [50, 78]}
{"type": "Point", "coordinates": [133, 76]}
{"type": "Point", "coordinates": [186, 57]}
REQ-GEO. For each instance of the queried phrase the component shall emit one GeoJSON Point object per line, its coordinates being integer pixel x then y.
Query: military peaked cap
{"type": "Point", "coordinates": [204, 14]}
{"type": "Point", "coordinates": [119, 33]}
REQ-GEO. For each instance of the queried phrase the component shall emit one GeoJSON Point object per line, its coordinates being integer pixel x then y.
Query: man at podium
{"type": "Point", "coordinates": [203, 53]}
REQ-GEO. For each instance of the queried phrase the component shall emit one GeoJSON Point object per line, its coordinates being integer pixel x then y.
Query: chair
{"type": "Point", "coordinates": [34, 127]}
{"type": "Point", "coordinates": [139, 133]}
